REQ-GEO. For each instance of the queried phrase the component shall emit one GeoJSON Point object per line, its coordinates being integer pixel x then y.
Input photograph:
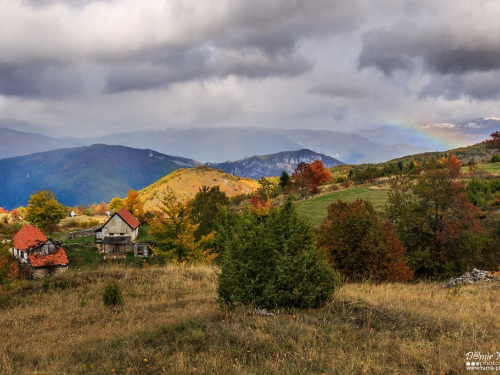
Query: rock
{"type": "Point", "coordinates": [475, 276]}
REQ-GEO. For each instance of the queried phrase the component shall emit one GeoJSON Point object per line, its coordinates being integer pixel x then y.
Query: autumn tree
{"type": "Point", "coordinates": [436, 222]}
{"type": "Point", "coordinates": [300, 177]}
{"type": "Point", "coordinates": [15, 214]}
{"type": "Point", "coordinates": [360, 245]}
{"type": "Point", "coordinates": [174, 233]}
{"type": "Point", "coordinates": [101, 209]}
{"type": "Point", "coordinates": [317, 175]}
{"type": "Point", "coordinates": [205, 208]}
{"type": "Point", "coordinates": [43, 210]}
{"type": "Point", "coordinates": [265, 188]}
{"type": "Point", "coordinates": [116, 204]}
{"type": "Point", "coordinates": [493, 142]}
{"type": "Point", "coordinates": [133, 203]}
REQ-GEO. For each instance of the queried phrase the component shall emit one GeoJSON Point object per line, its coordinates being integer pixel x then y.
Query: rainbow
{"type": "Point", "coordinates": [436, 136]}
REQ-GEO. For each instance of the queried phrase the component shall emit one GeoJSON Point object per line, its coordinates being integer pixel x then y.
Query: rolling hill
{"type": "Point", "coordinates": [272, 165]}
{"type": "Point", "coordinates": [186, 182]}
{"type": "Point", "coordinates": [83, 175]}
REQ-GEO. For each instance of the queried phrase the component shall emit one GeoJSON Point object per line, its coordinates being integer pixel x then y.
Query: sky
{"type": "Point", "coordinates": [94, 67]}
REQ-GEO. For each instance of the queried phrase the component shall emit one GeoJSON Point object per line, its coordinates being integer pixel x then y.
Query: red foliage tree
{"type": "Point", "coordinates": [300, 177]}
{"type": "Point", "coordinates": [15, 214]}
{"type": "Point", "coordinates": [362, 246]}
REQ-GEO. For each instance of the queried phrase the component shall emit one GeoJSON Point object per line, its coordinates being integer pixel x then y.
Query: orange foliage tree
{"type": "Point", "coordinates": [101, 209]}
{"type": "Point", "coordinates": [362, 246]}
{"type": "Point", "coordinates": [308, 177]}
{"type": "Point", "coordinates": [133, 203]}
{"type": "Point", "coordinates": [318, 175]}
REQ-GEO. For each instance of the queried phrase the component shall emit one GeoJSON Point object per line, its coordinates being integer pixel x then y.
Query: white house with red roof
{"type": "Point", "coordinates": [116, 236]}
{"type": "Point", "coordinates": [38, 251]}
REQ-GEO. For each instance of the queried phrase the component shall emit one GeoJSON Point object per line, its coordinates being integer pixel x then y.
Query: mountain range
{"type": "Point", "coordinates": [84, 175]}
{"type": "Point", "coordinates": [274, 164]}
{"type": "Point", "coordinates": [220, 144]}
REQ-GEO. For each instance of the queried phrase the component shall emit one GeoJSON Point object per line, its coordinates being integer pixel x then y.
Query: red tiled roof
{"type": "Point", "coordinates": [29, 237]}
{"type": "Point", "coordinates": [128, 218]}
{"type": "Point", "coordinates": [56, 259]}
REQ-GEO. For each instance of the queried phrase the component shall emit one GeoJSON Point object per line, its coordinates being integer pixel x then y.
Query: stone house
{"type": "Point", "coordinates": [116, 236]}
{"type": "Point", "coordinates": [39, 252]}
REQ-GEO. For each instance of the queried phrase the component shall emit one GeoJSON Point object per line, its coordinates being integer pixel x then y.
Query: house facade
{"type": "Point", "coordinates": [116, 236]}
{"type": "Point", "coordinates": [39, 252]}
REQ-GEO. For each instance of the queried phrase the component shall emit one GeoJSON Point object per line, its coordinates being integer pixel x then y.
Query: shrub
{"type": "Point", "coordinates": [272, 262]}
{"type": "Point", "coordinates": [113, 295]}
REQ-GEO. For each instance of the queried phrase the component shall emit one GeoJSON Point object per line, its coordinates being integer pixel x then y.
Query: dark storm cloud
{"type": "Point", "coordinates": [164, 42]}
{"type": "Point", "coordinates": [438, 50]}
{"type": "Point", "coordinates": [339, 90]}
{"type": "Point", "coordinates": [201, 65]}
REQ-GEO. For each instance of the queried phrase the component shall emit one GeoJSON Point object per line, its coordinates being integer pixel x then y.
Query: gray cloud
{"type": "Point", "coordinates": [112, 65]}
{"type": "Point", "coordinates": [437, 49]}
{"type": "Point", "coordinates": [341, 90]}
{"type": "Point", "coordinates": [185, 40]}
{"type": "Point", "coordinates": [477, 85]}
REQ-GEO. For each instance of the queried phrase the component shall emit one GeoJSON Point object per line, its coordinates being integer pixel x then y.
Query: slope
{"type": "Point", "coordinates": [186, 182]}
{"type": "Point", "coordinates": [83, 175]}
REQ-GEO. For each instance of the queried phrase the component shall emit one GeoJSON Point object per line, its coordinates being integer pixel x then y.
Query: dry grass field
{"type": "Point", "coordinates": [170, 324]}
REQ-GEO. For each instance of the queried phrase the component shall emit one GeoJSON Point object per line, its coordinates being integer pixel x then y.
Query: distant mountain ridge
{"type": "Point", "coordinates": [218, 145]}
{"type": "Point", "coordinates": [84, 175]}
{"type": "Point", "coordinates": [15, 143]}
{"type": "Point", "coordinates": [274, 164]}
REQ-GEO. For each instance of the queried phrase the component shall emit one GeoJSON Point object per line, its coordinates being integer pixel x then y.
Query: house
{"type": "Point", "coordinates": [116, 236]}
{"type": "Point", "coordinates": [39, 252]}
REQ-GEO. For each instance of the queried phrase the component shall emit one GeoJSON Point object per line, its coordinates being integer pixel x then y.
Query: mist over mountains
{"type": "Point", "coordinates": [229, 144]}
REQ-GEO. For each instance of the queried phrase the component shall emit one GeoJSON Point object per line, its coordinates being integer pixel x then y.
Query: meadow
{"type": "Point", "coordinates": [171, 324]}
{"type": "Point", "coordinates": [316, 208]}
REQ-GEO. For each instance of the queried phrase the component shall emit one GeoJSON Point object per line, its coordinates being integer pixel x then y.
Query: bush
{"type": "Point", "coordinates": [113, 295]}
{"type": "Point", "coordinates": [272, 262]}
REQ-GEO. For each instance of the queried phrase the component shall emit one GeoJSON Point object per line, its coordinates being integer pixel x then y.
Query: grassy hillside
{"type": "Point", "coordinates": [171, 324]}
{"type": "Point", "coordinates": [316, 208]}
{"type": "Point", "coordinates": [186, 182]}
